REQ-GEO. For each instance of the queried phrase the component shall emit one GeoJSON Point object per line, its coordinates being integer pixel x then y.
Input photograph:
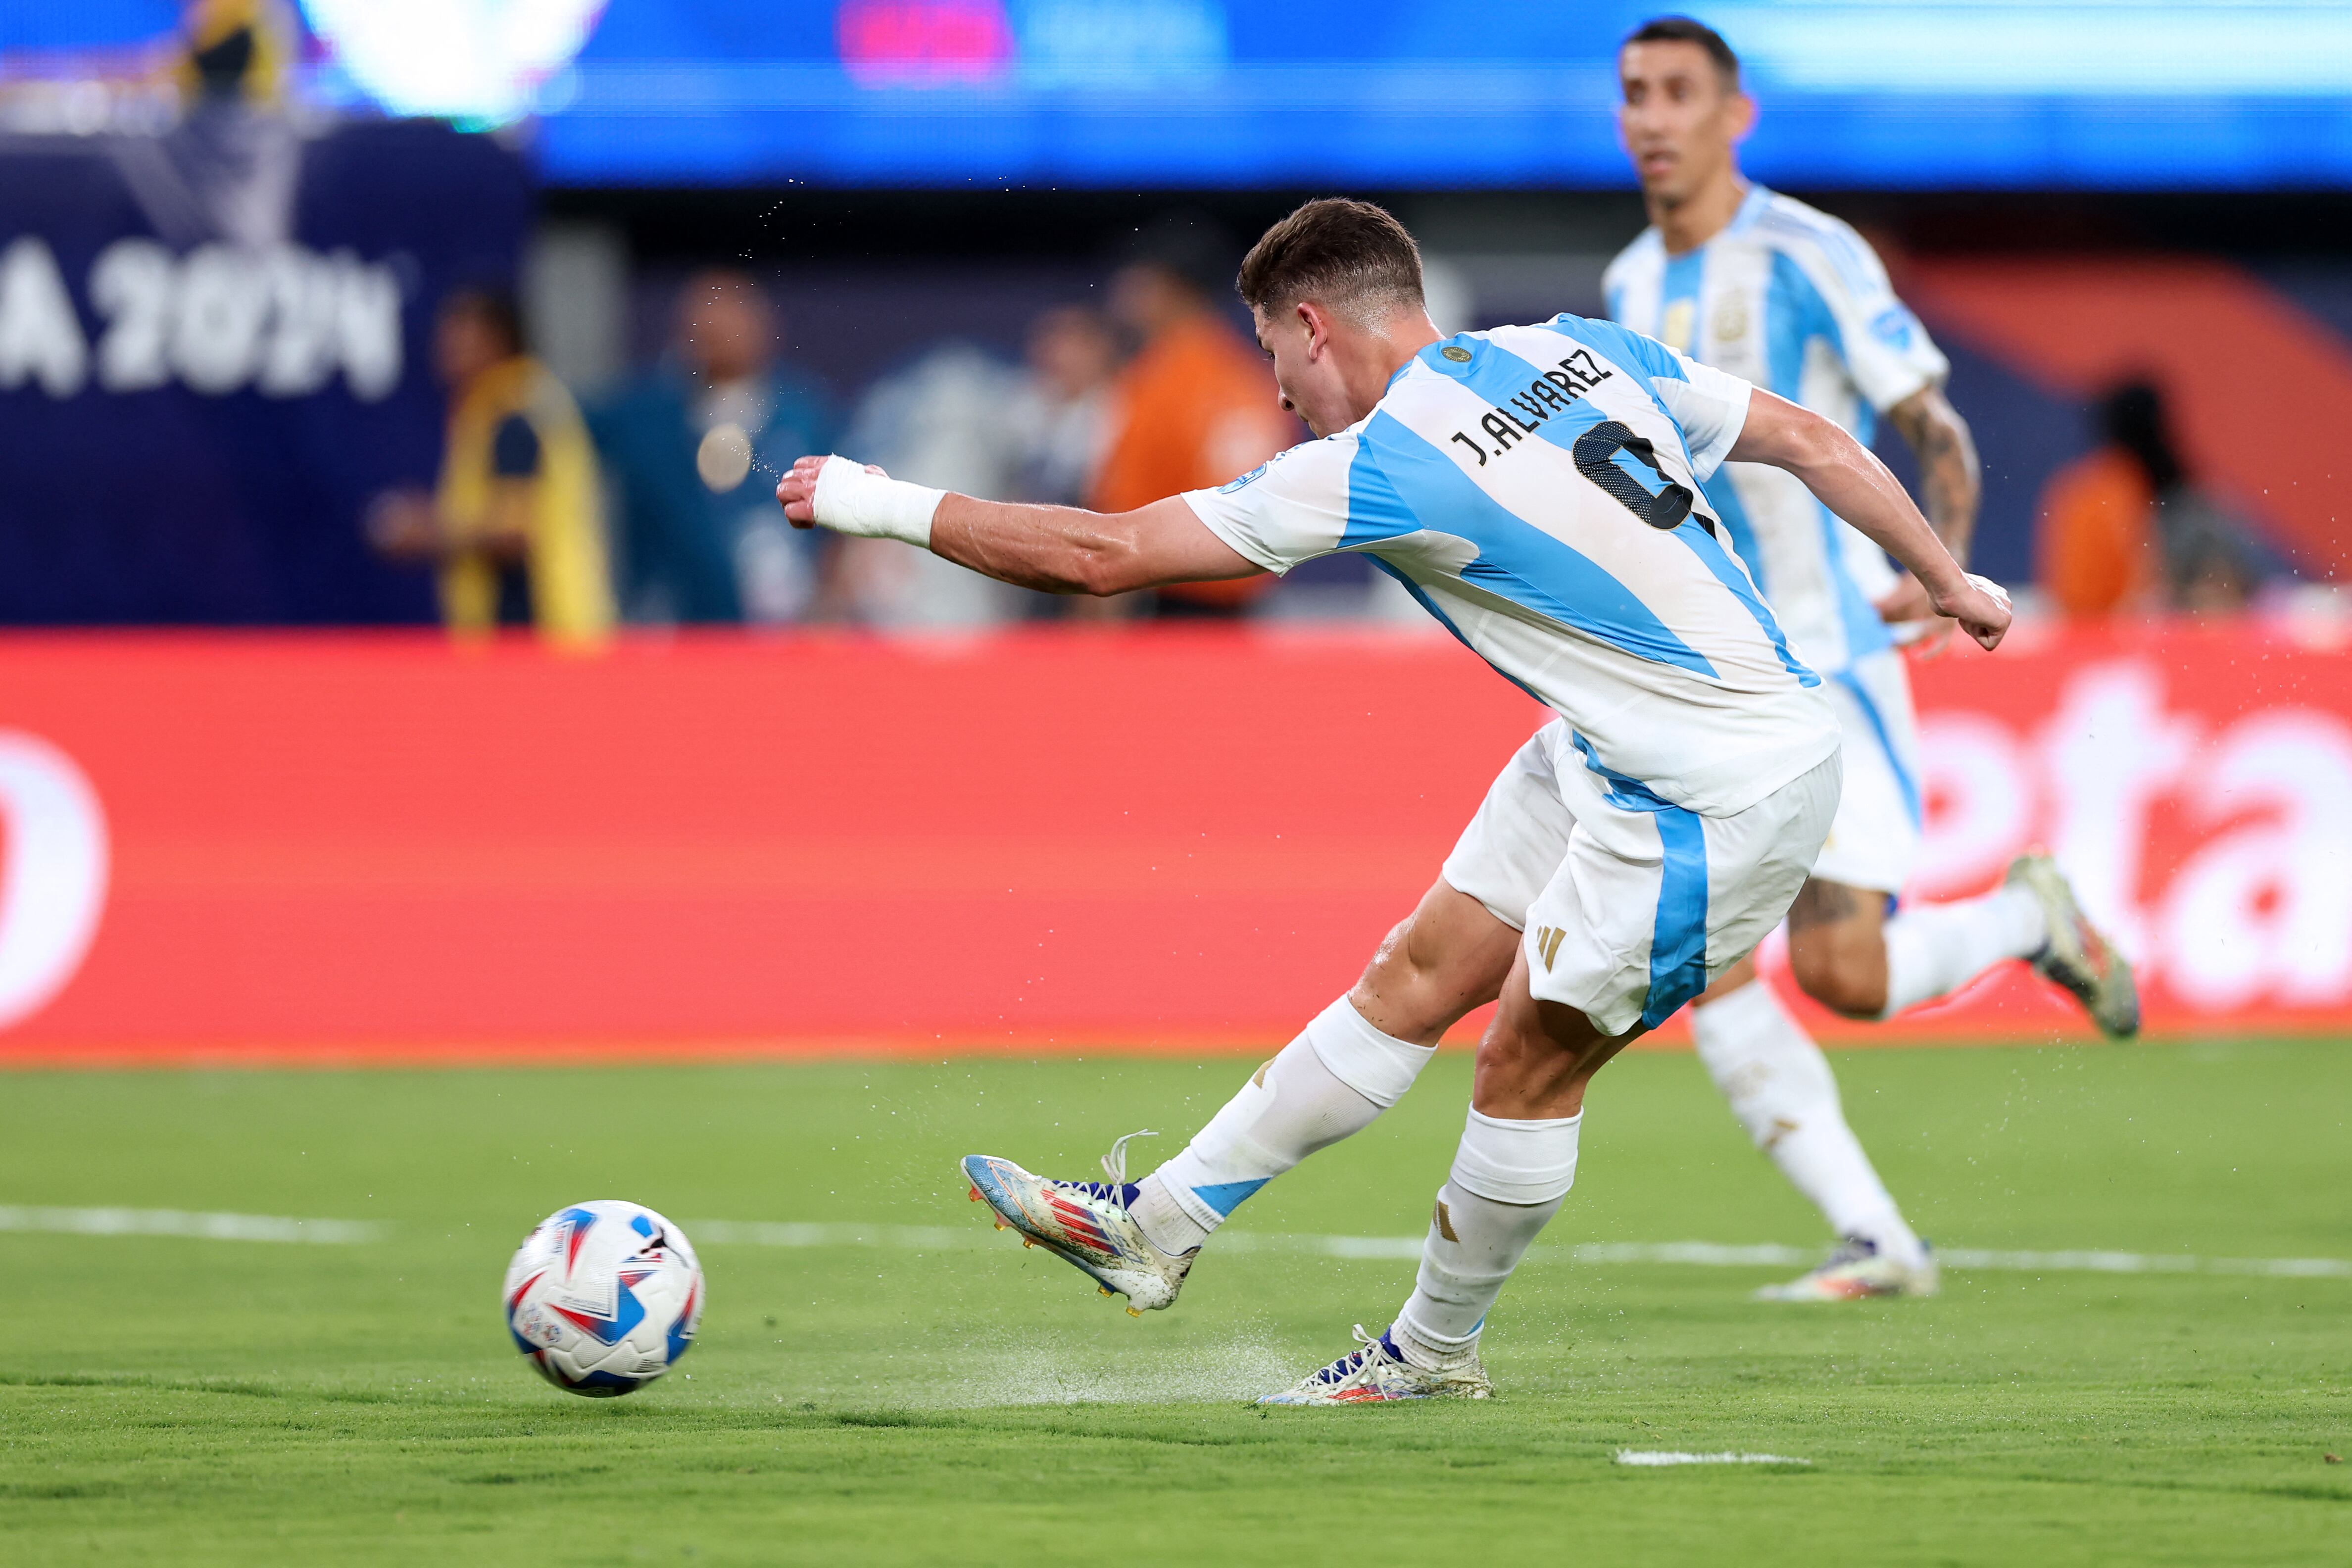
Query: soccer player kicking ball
{"type": "Point", "coordinates": [1794, 300]}
{"type": "Point", "coordinates": [1537, 489]}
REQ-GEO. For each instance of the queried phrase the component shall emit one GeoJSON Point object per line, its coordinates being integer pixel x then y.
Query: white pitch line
{"type": "Point", "coordinates": [1703, 1253]}
{"type": "Point", "coordinates": [767, 1233]}
{"type": "Point", "coordinates": [181, 1223]}
{"type": "Point", "coordinates": [1675, 1457]}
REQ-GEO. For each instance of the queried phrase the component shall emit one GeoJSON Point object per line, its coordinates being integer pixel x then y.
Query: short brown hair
{"type": "Point", "coordinates": [1690, 30]}
{"type": "Point", "coordinates": [1348, 255]}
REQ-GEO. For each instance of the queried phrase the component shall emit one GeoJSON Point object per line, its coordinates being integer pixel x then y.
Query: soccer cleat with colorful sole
{"type": "Point", "coordinates": [1085, 1225]}
{"type": "Point", "coordinates": [1376, 1372]}
{"type": "Point", "coordinates": [1857, 1272]}
{"type": "Point", "coordinates": [2078, 957]}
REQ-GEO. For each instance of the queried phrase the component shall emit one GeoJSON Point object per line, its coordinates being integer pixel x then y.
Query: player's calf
{"type": "Point", "coordinates": [1837, 947]}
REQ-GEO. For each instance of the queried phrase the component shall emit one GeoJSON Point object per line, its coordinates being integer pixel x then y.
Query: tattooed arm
{"type": "Point", "coordinates": [1950, 485]}
{"type": "Point", "coordinates": [1950, 477]}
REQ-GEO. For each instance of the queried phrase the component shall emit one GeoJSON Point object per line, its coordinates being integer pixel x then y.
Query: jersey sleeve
{"type": "Point", "coordinates": [1888, 353]}
{"type": "Point", "coordinates": [1289, 509]}
{"type": "Point", "coordinates": [1711, 407]}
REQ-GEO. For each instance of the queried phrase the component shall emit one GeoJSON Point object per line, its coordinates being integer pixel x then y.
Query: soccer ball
{"type": "Point", "coordinates": [604, 1297]}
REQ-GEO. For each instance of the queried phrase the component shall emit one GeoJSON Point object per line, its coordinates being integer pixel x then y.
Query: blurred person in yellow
{"type": "Point", "coordinates": [514, 525]}
{"type": "Point", "coordinates": [234, 49]}
{"type": "Point", "coordinates": [1196, 406]}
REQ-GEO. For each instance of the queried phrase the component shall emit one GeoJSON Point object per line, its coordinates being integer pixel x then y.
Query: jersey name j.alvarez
{"type": "Point", "coordinates": [1549, 393]}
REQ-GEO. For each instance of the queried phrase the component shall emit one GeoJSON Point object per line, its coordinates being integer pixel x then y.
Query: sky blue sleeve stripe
{"type": "Point", "coordinates": [1905, 779]}
{"type": "Point", "coordinates": [1679, 940]}
{"type": "Point", "coordinates": [1408, 484]}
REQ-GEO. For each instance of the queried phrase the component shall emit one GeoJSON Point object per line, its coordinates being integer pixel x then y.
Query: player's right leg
{"type": "Point", "coordinates": [1357, 1058]}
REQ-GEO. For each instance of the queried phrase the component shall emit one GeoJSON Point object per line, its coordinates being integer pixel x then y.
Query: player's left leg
{"type": "Point", "coordinates": [1847, 954]}
{"type": "Point", "coordinates": [1780, 1086]}
{"type": "Point", "coordinates": [1650, 903]}
{"type": "Point", "coordinates": [1512, 1171]}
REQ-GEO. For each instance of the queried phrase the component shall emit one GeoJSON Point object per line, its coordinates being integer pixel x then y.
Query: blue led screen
{"type": "Point", "coordinates": [1891, 93]}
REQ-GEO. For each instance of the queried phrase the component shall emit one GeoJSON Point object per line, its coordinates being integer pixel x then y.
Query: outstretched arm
{"type": "Point", "coordinates": [1060, 549]}
{"type": "Point", "coordinates": [1856, 486]}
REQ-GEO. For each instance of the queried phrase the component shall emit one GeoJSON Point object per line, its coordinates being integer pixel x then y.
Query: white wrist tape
{"type": "Point", "coordinates": [848, 500]}
{"type": "Point", "coordinates": [1990, 589]}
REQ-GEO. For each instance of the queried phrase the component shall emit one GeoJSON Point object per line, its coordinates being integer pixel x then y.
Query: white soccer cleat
{"type": "Point", "coordinates": [1376, 1371]}
{"type": "Point", "coordinates": [1085, 1225]}
{"type": "Point", "coordinates": [1856, 1271]}
{"type": "Point", "coordinates": [2078, 957]}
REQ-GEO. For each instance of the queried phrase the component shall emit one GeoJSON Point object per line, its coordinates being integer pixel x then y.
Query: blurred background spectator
{"type": "Point", "coordinates": [2124, 528]}
{"type": "Point", "coordinates": [1196, 405]}
{"type": "Point", "coordinates": [228, 169]}
{"type": "Point", "coordinates": [513, 530]}
{"type": "Point", "coordinates": [1064, 411]}
{"type": "Point", "coordinates": [951, 420]}
{"type": "Point", "coordinates": [698, 533]}
{"type": "Point", "coordinates": [226, 227]}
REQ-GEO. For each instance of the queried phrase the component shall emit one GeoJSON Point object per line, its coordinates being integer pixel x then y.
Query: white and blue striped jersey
{"type": "Point", "coordinates": [1790, 299]}
{"type": "Point", "coordinates": [1535, 488]}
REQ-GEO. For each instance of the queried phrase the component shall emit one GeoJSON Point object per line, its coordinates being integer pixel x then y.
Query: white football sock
{"type": "Point", "coordinates": [1935, 949]}
{"type": "Point", "coordinates": [1333, 1081]}
{"type": "Point", "coordinates": [1781, 1086]}
{"type": "Point", "coordinates": [1508, 1180]}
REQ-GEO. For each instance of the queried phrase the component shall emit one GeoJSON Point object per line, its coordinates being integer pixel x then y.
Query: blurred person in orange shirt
{"type": "Point", "coordinates": [2094, 551]}
{"type": "Point", "coordinates": [1197, 405]}
{"type": "Point", "coordinates": [2124, 528]}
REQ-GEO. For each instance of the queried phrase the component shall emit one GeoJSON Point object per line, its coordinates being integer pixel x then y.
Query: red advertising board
{"type": "Point", "coordinates": [380, 846]}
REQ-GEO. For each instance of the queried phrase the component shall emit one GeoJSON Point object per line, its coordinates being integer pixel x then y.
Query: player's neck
{"type": "Point", "coordinates": [1698, 217]}
{"type": "Point", "coordinates": [1405, 335]}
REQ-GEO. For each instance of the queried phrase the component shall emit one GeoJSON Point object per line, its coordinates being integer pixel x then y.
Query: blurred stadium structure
{"type": "Point", "coordinates": [921, 229]}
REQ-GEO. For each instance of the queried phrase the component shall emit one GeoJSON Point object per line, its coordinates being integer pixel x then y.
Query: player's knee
{"type": "Point", "coordinates": [1417, 984]}
{"type": "Point", "coordinates": [1394, 988]}
{"type": "Point", "coordinates": [1841, 976]}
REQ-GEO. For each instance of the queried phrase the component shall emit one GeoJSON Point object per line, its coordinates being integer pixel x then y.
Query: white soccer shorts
{"type": "Point", "coordinates": [1629, 906]}
{"type": "Point", "coordinates": [1874, 844]}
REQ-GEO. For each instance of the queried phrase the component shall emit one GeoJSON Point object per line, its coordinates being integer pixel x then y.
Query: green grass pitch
{"type": "Point", "coordinates": [184, 1401]}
